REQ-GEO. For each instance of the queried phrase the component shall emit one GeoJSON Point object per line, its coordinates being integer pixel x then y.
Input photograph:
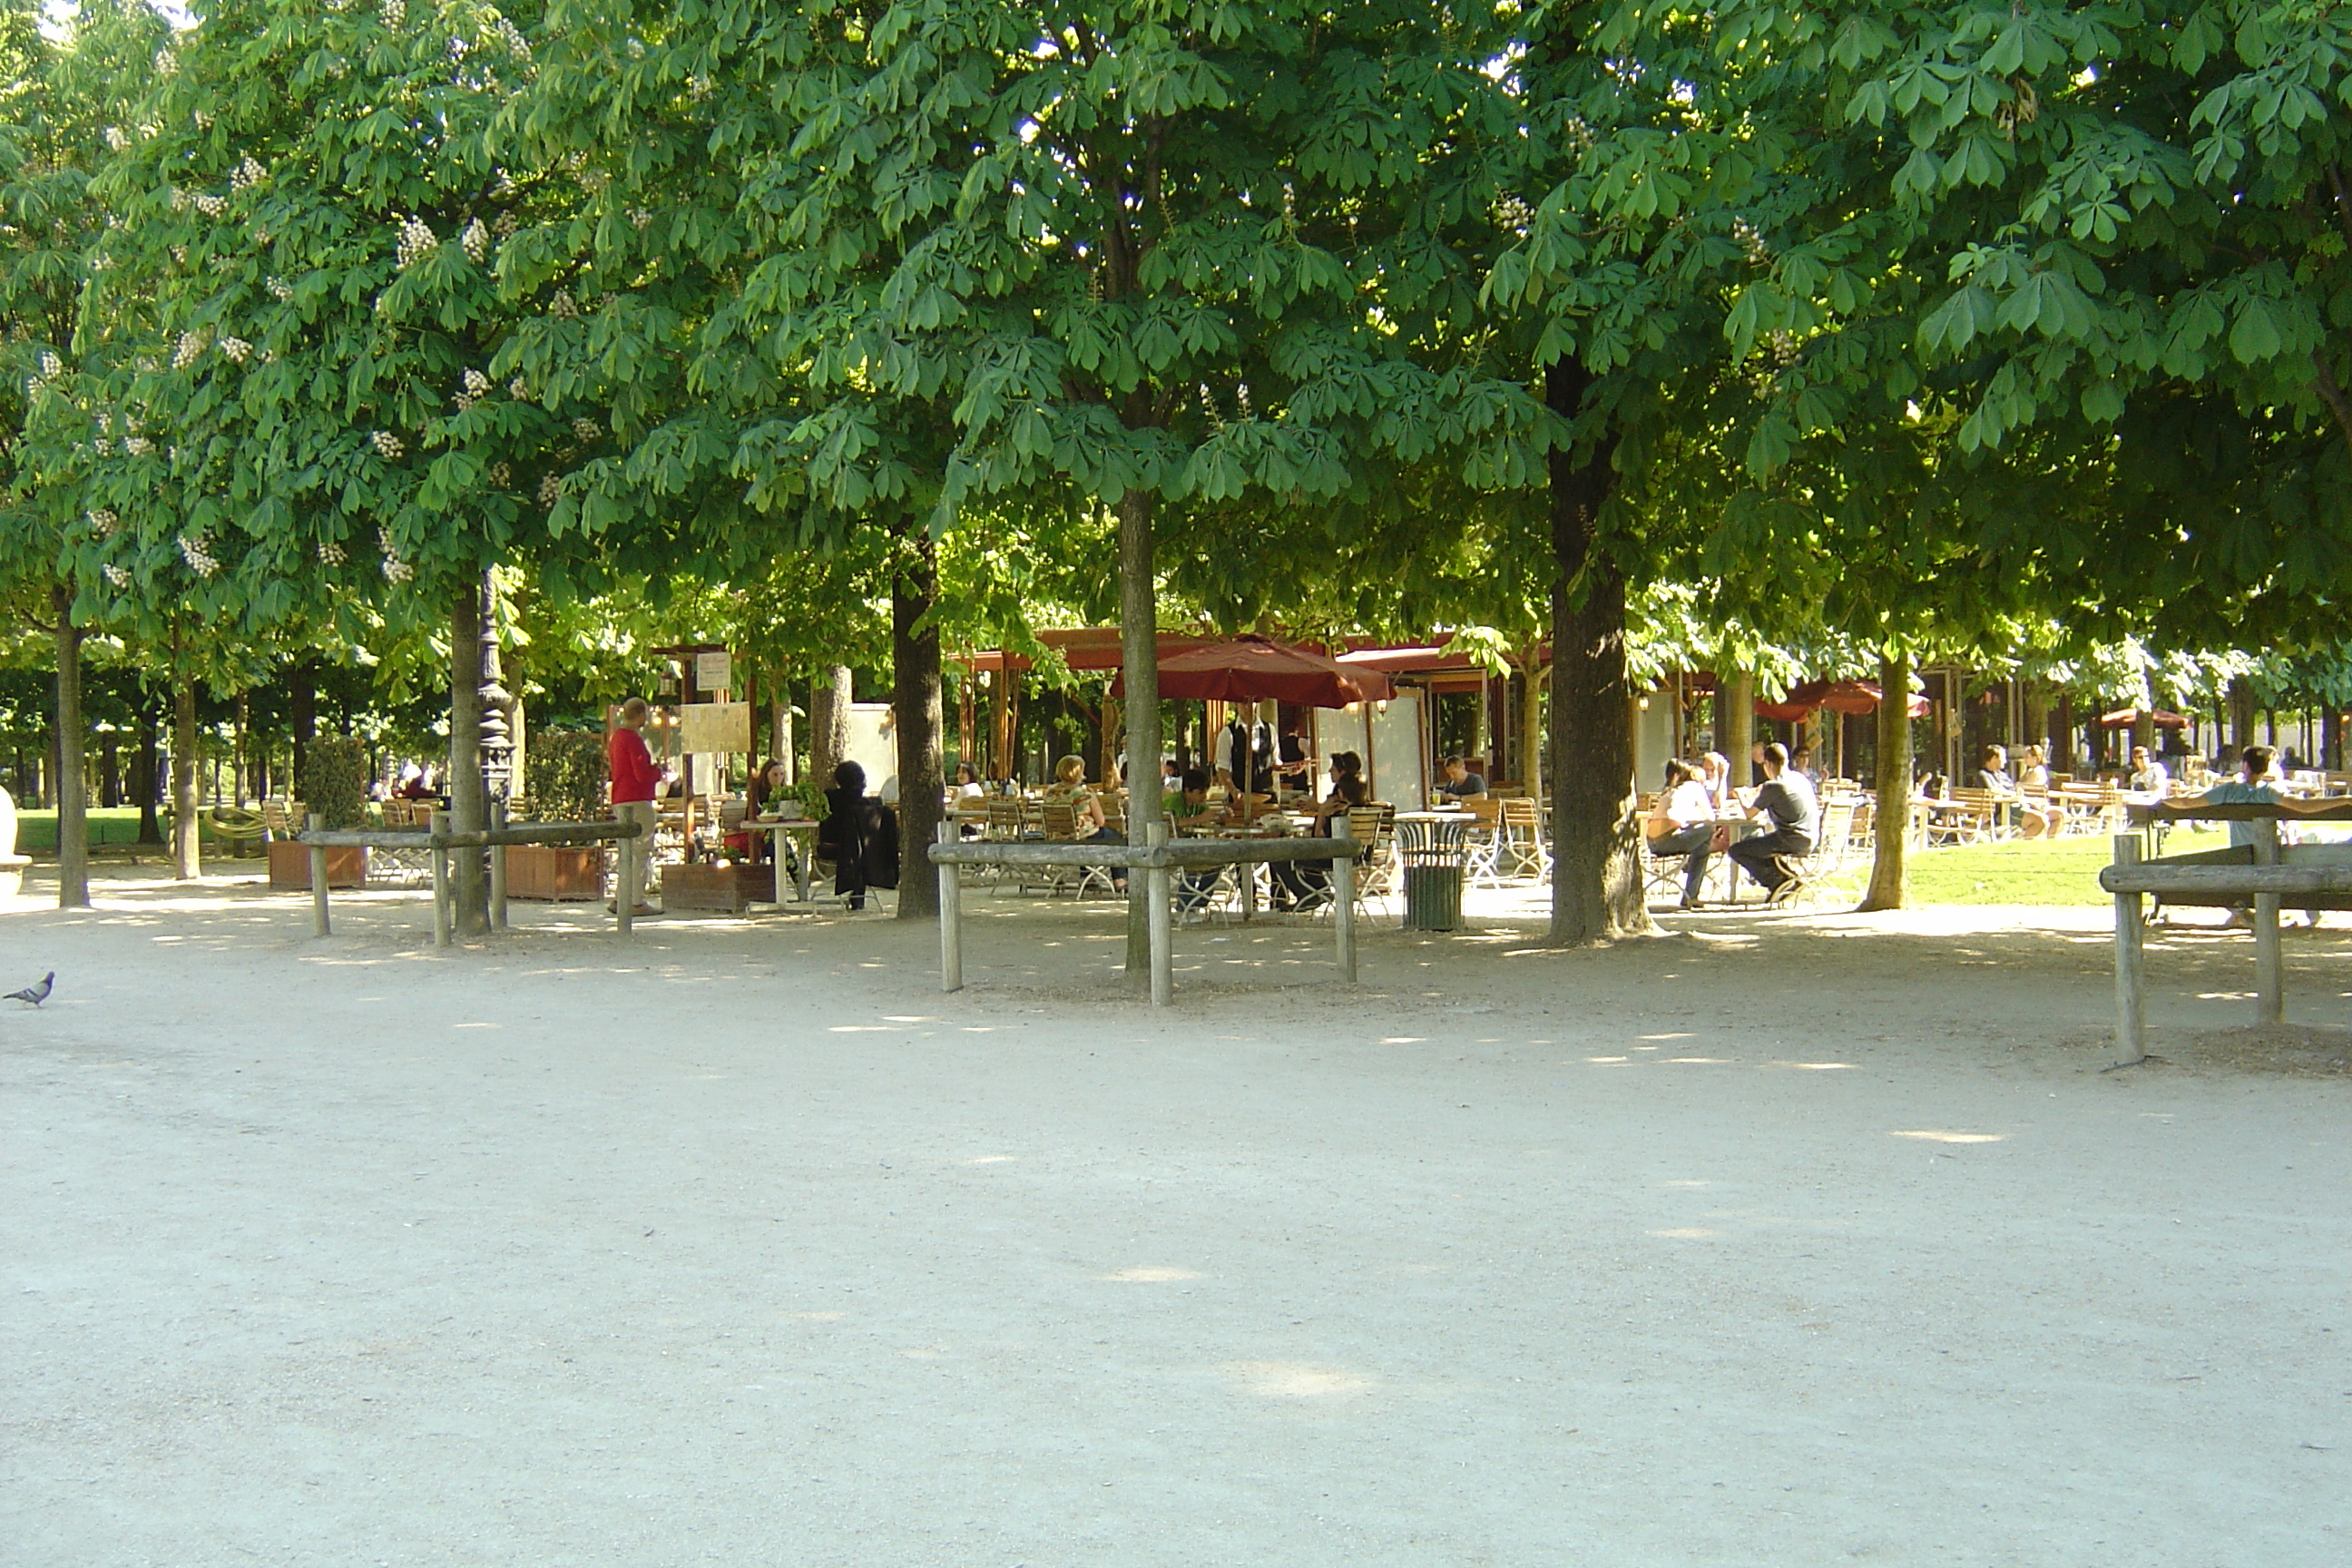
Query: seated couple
{"type": "Point", "coordinates": [1684, 822]}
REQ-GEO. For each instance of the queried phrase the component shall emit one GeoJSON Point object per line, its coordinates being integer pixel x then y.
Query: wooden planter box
{"type": "Point", "coordinates": [560, 873]}
{"type": "Point", "coordinates": [290, 866]}
{"type": "Point", "coordinates": [723, 889]}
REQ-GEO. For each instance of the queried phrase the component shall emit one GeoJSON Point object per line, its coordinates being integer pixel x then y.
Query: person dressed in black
{"type": "Point", "coordinates": [1248, 751]}
{"type": "Point", "coordinates": [1303, 884]}
{"type": "Point", "coordinates": [1786, 800]}
{"type": "Point", "coordinates": [859, 834]}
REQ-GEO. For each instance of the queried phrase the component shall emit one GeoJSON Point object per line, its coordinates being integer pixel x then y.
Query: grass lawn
{"type": "Point", "coordinates": [2064, 871]}
{"type": "Point", "coordinates": [37, 831]}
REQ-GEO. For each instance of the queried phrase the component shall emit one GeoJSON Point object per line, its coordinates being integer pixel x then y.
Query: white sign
{"type": "Point", "coordinates": [714, 672]}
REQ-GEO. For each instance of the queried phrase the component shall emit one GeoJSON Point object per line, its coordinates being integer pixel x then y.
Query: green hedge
{"type": "Point", "coordinates": [565, 777]}
{"type": "Point", "coordinates": [334, 775]}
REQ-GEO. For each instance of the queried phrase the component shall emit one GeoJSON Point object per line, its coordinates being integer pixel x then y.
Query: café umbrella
{"type": "Point", "coordinates": [1252, 668]}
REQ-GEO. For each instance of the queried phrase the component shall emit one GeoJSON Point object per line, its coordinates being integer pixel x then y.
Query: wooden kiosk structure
{"type": "Point", "coordinates": [2264, 873]}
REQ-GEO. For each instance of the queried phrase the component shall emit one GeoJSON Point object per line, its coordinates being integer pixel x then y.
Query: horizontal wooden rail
{"type": "Point", "coordinates": [2223, 882]}
{"type": "Point", "coordinates": [1177, 855]}
{"type": "Point", "coordinates": [481, 839]}
{"type": "Point", "coordinates": [2142, 814]}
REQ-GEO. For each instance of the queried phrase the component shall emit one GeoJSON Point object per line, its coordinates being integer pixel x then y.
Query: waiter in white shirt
{"type": "Point", "coordinates": [1247, 751]}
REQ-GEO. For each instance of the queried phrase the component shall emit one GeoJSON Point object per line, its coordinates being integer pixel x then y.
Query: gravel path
{"type": "Point", "coordinates": [1784, 1242]}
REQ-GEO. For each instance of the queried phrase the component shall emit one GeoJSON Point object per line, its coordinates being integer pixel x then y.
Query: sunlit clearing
{"type": "Point", "coordinates": [1289, 1380]}
{"type": "Point", "coordinates": [1149, 1276]}
{"type": "Point", "coordinates": [992, 1159]}
{"type": "Point", "coordinates": [1936, 1137]}
{"type": "Point", "coordinates": [1816, 1067]}
{"type": "Point", "coordinates": [1665, 1037]}
{"type": "Point", "coordinates": [1686, 1184]}
{"type": "Point", "coordinates": [1609, 1058]}
{"type": "Point", "coordinates": [1711, 1060]}
{"type": "Point", "coordinates": [919, 1018]}
{"type": "Point", "coordinates": [1406, 1040]}
{"type": "Point", "coordinates": [1688, 1233]}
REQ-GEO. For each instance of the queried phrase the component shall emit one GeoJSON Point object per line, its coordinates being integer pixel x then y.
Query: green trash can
{"type": "Point", "coordinates": [1433, 852]}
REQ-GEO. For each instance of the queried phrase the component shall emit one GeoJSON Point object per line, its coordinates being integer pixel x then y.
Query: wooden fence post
{"type": "Point", "coordinates": [950, 915]}
{"type": "Point", "coordinates": [319, 926]}
{"type": "Point", "coordinates": [497, 868]}
{"type": "Point", "coordinates": [2270, 971]}
{"type": "Point", "coordinates": [1343, 889]}
{"type": "Point", "coordinates": [1158, 897]}
{"type": "Point", "coordinates": [438, 825]}
{"type": "Point", "coordinates": [625, 886]}
{"type": "Point", "coordinates": [2131, 975]}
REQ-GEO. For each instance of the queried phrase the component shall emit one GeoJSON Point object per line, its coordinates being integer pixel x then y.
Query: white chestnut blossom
{"type": "Point", "coordinates": [560, 307]}
{"type": "Point", "coordinates": [115, 139]}
{"type": "Point", "coordinates": [189, 345]}
{"type": "Point", "coordinates": [416, 241]}
{"type": "Point", "coordinates": [506, 225]}
{"type": "Point", "coordinates": [396, 570]}
{"type": "Point", "coordinates": [501, 474]}
{"type": "Point", "coordinates": [137, 445]}
{"type": "Point", "coordinates": [517, 391]}
{"type": "Point", "coordinates": [247, 173]}
{"type": "Point", "coordinates": [200, 560]}
{"type": "Point", "coordinates": [475, 383]}
{"type": "Point", "coordinates": [332, 554]}
{"type": "Point", "coordinates": [392, 11]}
{"type": "Point", "coordinates": [236, 348]}
{"type": "Point", "coordinates": [586, 429]}
{"type": "Point", "coordinates": [116, 574]}
{"type": "Point", "coordinates": [387, 443]}
{"type": "Point", "coordinates": [278, 287]}
{"type": "Point", "coordinates": [551, 489]}
{"type": "Point", "coordinates": [102, 521]}
{"type": "Point", "coordinates": [475, 239]}
{"type": "Point", "coordinates": [179, 198]}
{"type": "Point", "coordinates": [511, 36]}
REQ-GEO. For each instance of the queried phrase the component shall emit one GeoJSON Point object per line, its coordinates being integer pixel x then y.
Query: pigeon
{"type": "Point", "coordinates": [34, 995]}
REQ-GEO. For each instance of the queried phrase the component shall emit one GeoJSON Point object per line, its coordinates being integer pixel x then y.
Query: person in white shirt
{"type": "Point", "coordinates": [2148, 774]}
{"type": "Point", "coordinates": [1683, 823]}
{"type": "Point", "coordinates": [1248, 751]}
{"type": "Point", "coordinates": [1715, 777]}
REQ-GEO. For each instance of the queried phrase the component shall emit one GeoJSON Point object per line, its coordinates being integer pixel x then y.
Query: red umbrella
{"type": "Point", "coordinates": [1852, 697]}
{"type": "Point", "coordinates": [2125, 717]}
{"type": "Point", "coordinates": [1252, 667]}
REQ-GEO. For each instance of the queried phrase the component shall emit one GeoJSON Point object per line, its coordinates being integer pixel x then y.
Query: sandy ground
{"type": "Point", "coordinates": [1787, 1240]}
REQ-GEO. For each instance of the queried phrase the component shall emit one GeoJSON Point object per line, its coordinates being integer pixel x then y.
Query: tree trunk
{"type": "Point", "coordinates": [1890, 884]}
{"type": "Point", "coordinates": [2331, 737]}
{"type": "Point", "coordinates": [110, 770]}
{"type": "Point", "coordinates": [829, 701]}
{"type": "Point", "coordinates": [2241, 713]}
{"type": "Point", "coordinates": [73, 800]}
{"type": "Point", "coordinates": [302, 711]}
{"type": "Point", "coordinates": [1737, 695]}
{"type": "Point", "coordinates": [187, 842]}
{"type": "Point", "coordinates": [145, 786]}
{"type": "Point", "coordinates": [468, 801]}
{"type": "Point", "coordinates": [1596, 883]}
{"type": "Point", "coordinates": [1531, 708]}
{"type": "Point", "coordinates": [1138, 652]}
{"type": "Point", "coordinates": [915, 692]}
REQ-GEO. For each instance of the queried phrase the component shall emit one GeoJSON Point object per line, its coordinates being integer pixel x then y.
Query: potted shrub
{"type": "Point", "coordinates": [334, 776]}
{"type": "Point", "coordinates": [564, 781]}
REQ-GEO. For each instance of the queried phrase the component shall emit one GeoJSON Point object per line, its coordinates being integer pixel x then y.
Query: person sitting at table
{"type": "Point", "coordinates": [2032, 821]}
{"type": "Point", "coordinates": [1302, 884]}
{"type": "Point", "coordinates": [2148, 776]}
{"type": "Point", "coordinates": [1683, 823]}
{"type": "Point", "coordinates": [859, 834]}
{"type": "Point", "coordinates": [1786, 800]}
{"type": "Point", "coordinates": [1459, 783]}
{"type": "Point", "coordinates": [1187, 809]}
{"type": "Point", "coordinates": [1801, 760]}
{"type": "Point", "coordinates": [1092, 826]}
{"type": "Point", "coordinates": [761, 793]}
{"type": "Point", "coordinates": [967, 782]}
{"type": "Point", "coordinates": [1715, 777]}
{"type": "Point", "coordinates": [2254, 785]}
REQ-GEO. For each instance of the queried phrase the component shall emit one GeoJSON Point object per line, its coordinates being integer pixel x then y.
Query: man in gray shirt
{"type": "Point", "coordinates": [1786, 800]}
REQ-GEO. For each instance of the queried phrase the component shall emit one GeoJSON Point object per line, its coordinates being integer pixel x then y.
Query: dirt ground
{"type": "Point", "coordinates": [1773, 1240]}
